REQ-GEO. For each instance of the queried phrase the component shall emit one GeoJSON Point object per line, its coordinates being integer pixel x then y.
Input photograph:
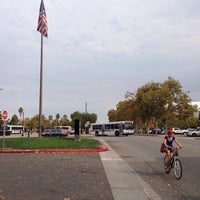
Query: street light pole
{"type": "Point", "coordinates": [86, 108]}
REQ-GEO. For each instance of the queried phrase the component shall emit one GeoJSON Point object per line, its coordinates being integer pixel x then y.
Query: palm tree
{"type": "Point", "coordinates": [64, 120]}
{"type": "Point", "coordinates": [20, 110]}
{"type": "Point", "coordinates": [57, 118]}
{"type": "Point", "coordinates": [51, 119]}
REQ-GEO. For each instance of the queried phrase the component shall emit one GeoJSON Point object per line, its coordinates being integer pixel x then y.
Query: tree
{"type": "Point", "coordinates": [57, 118]}
{"type": "Point", "coordinates": [124, 111]}
{"type": "Point", "coordinates": [65, 121]}
{"type": "Point", "coordinates": [1, 121]}
{"type": "Point", "coordinates": [35, 122]}
{"type": "Point", "coordinates": [50, 120]}
{"type": "Point", "coordinates": [76, 115]}
{"type": "Point", "coordinates": [165, 104]}
{"type": "Point", "coordinates": [150, 103]}
{"type": "Point", "coordinates": [83, 117]}
{"type": "Point", "coordinates": [178, 108]}
{"type": "Point", "coordinates": [29, 123]}
{"type": "Point", "coordinates": [88, 118]}
{"type": "Point", "coordinates": [112, 115]}
{"type": "Point", "coordinates": [14, 120]}
{"type": "Point", "coordinates": [20, 110]}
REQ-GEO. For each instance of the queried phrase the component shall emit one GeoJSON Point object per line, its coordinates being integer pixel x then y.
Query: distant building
{"type": "Point", "coordinates": [197, 114]}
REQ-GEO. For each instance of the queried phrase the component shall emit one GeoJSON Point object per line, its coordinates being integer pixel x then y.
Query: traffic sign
{"type": "Point", "coordinates": [4, 114]}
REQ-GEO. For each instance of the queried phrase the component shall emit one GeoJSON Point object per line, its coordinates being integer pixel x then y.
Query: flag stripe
{"type": "Point", "coordinates": [42, 21]}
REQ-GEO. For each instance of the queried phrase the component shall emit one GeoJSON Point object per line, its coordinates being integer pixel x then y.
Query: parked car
{"type": "Point", "coordinates": [55, 132]}
{"type": "Point", "coordinates": [159, 131]}
{"type": "Point", "coordinates": [65, 129]}
{"type": "Point", "coordinates": [191, 129]}
{"type": "Point", "coordinates": [194, 133]}
{"type": "Point", "coordinates": [179, 131]}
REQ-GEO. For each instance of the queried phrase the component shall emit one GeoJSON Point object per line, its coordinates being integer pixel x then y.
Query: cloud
{"type": "Point", "coordinates": [95, 52]}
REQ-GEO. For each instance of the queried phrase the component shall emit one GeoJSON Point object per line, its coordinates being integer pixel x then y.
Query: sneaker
{"type": "Point", "coordinates": [167, 169]}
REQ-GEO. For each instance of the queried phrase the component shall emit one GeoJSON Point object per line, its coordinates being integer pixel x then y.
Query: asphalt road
{"type": "Point", "coordinates": [53, 176]}
{"type": "Point", "coordinates": [143, 156]}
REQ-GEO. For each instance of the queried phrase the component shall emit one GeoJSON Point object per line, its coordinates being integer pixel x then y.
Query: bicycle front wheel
{"type": "Point", "coordinates": [178, 169]}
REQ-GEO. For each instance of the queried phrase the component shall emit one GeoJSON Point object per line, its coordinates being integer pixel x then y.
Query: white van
{"type": "Point", "coordinates": [65, 129]}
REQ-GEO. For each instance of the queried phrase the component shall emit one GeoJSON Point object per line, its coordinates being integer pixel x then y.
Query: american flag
{"type": "Point", "coordinates": [42, 21]}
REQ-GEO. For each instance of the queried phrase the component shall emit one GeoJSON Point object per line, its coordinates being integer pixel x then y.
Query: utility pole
{"type": "Point", "coordinates": [86, 108]}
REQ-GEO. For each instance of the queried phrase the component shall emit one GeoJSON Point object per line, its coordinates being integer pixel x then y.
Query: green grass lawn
{"type": "Point", "coordinates": [49, 143]}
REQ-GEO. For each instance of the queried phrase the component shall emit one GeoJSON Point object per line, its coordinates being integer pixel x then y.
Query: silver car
{"type": "Point", "coordinates": [55, 132]}
{"type": "Point", "coordinates": [194, 133]}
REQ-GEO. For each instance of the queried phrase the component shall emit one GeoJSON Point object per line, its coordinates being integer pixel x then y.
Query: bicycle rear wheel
{"type": "Point", "coordinates": [178, 169]}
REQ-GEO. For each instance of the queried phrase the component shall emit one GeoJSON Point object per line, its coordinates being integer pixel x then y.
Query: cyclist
{"type": "Point", "coordinates": [168, 141]}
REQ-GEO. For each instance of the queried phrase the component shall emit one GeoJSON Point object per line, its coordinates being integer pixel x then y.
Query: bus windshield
{"type": "Point", "coordinates": [128, 126]}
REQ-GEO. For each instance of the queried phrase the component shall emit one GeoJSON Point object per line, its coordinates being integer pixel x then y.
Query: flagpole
{"type": "Point", "coordinates": [43, 29]}
{"type": "Point", "coordinates": [41, 87]}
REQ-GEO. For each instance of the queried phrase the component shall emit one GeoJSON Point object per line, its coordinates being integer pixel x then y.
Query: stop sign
{"type": "Point", "coordinates": [4, 114]}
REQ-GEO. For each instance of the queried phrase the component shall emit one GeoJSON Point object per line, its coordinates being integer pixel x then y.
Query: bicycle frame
{"type": "Point", "coordinates": [174, 156]}
{"type": "Point", "coordinates": [175, 163]}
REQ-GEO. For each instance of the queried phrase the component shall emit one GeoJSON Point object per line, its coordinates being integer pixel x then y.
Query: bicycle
{"type": "Point", "coordinates": [175, 163]}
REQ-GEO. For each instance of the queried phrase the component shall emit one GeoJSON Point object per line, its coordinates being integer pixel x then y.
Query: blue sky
{"type": "Point", "coordinates": [96, 52]}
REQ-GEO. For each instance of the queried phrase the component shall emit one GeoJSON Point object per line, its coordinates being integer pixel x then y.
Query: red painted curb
{"type": "Point", "coordinates": [56, 151]}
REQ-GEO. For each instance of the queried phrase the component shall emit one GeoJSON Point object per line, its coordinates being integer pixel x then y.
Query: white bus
{"type": "Point", "coordinates": [15, 129]}
{"type": "Point", "coordinates": [112, 128]}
